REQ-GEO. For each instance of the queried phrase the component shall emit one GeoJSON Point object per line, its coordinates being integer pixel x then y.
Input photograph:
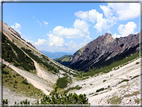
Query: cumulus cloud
{"type": "Point", "coordinates": [79, 30]}
{"type": "Point", "coordinates": [94, 16]}
{"type": "Point", "coordinates": [55, 40]}
{"type": "Point", "coordinates": [125, 30]}
{"type": "Point", "coordinates": [17, 27]}
{"type": "Point", "coordinates": [46, 23]}
{"type": "Point", "coordinates": [40, 42]}
{"type": "Point", "coordinates": [107, 11]}
{"type": "Point", "coordinates": [91, 15]}
{"type": "Point", "coordinates": [123, 11]}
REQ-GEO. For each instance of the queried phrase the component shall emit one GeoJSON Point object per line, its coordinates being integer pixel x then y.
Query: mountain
{"type": "Point", "coordinates": [29, 74]}
{"type": "Point", "coordinates": [64, 60]}
{"type": "Point", "coordinates": [103, 51]}
{"type": "Point", "coordinates": [55, 54]}
{"type": "Point", "coordinates": [25, 70]}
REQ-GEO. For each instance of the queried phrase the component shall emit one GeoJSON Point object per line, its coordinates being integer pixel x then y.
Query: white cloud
{"type": "Point", "coordinates": [94, 16]}
{"type": "Point", "coordinates": [46, 23]}
{"type": "Point", "coordinates": [55, 40]}
{"type": "Point", "coordinates": [80, 30]}
{"type": "Point", "coordinates": [107, 11]}
{"type": "Point", "coordinates": [123, 11]}
{"type": "Point", "coordinates": [17, 27]}
{"type": "Point", "coordinates": [91, 15]}
{"type": "Point", "coordinates": [72, 46]}
{"type": "Point", "coordinates": [40, 42]}
{"type": "Point", "coordinates": [125, 30]}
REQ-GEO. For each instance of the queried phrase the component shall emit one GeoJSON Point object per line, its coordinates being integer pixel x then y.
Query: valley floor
{"type": "Point", "coordinates": [121, 86]}
{"type": "Point", "coordinates": [13, 96]}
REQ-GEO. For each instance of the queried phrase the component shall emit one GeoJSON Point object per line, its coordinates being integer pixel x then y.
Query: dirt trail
{"type": "Point", "coordinates": [38, 82]}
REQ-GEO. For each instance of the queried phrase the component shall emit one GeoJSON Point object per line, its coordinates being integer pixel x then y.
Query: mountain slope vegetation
{"type": "Point", "coordinates": [64, 60]}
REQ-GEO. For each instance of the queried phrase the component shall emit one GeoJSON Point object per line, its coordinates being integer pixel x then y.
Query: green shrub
{"type": "Point", "coordinates": [62, 82]}
{"type": "Point", "coordinates": [25, 82]}
{"type": "Point", "coordinates": [135, 76]}
{"type": "Point", "coordinates": [137, 62]}
{"type": "Point", "coordinates": [125, 80]}
{"type": "Point", "coordinates": [72, 88]}
{"type": "Point", "coordinates": [104, 80]}
{"type": "Point", "coordinates": [16, 81]}
{"type": "Point", "coordinates": [56, 98]}
{"type": "Point", "coordinates": [5, 72]}
{"type": "Point", "coordinates": [101, 89]}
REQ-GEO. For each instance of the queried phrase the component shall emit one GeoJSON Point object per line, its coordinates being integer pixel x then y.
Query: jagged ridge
{"type": "Point", "coordinates": [104, 50]}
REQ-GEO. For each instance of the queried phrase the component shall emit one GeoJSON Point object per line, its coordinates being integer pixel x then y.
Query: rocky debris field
{"type": "Point", "coordinates": [121, 86]}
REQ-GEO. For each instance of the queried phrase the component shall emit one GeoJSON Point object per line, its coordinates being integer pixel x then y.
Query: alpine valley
{"type": "Point", "coordinates": [105, 71]}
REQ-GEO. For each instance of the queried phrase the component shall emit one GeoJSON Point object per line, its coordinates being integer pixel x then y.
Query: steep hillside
{"type": "Point", "coordinates": [55, 55]}
{"type": "Point", "coordinates": [35, 69]}
{"type": "Point", "coordinates": [64, 60]}
{"type": "Point", "coordinates": [103, 51]}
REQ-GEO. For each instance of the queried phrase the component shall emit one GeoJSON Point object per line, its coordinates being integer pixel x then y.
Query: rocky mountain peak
{"type": "Point", "coordinates": [108, 38]}
{"type": "Point", "coordinates": [105, 49]}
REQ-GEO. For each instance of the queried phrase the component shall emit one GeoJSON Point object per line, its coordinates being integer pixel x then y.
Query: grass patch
{"type": "Point", "coordinates": [81, 78]}
{"type": "Point", "coordinates": [18, 84]}
{"type": "Point", "coordinates": [114, 100]}
{"type": "Point", "coordinates": [91, 93]}
{"type": "Point", "coordinates": [134, 93]}
{"type": "Point", "coordinates": [109, 68]}
{"type": "Point", "coordinates": [62, 82]}
{"type": "Point", "coordinates": [137, 101]}
{"type": "Point", "coordinates": [72, 88]}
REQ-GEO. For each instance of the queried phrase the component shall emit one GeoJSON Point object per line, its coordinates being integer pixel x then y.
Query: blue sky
{"type": "Point", "coordinates": [66, 27]}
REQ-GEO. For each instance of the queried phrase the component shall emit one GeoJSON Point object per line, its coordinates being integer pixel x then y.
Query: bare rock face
{"type": "Point", "coordinates": [15, 32]}
{"type": "Point", "coordinates": [104, 50]}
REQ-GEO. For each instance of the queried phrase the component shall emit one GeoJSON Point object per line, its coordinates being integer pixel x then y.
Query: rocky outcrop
{"type": "Point", "coordinates": [15, 32]}
{"type": "Point", "coordinates": [31, 45]}
{"type": "Point", "coordinates": [104, 50]}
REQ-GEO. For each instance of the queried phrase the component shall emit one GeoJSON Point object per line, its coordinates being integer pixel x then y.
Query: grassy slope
{"type": "Point", "coordinates": [64, 58]}
{"type": "Point", "coordinates": [18, 84]}
{"type": "Point", "coordinates": [106, 69]}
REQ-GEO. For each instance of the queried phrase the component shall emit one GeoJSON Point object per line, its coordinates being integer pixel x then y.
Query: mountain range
{"type": "Point", "coordinates": [55, 55]}
{"type": "Point", "coordinates": [103, 51]}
